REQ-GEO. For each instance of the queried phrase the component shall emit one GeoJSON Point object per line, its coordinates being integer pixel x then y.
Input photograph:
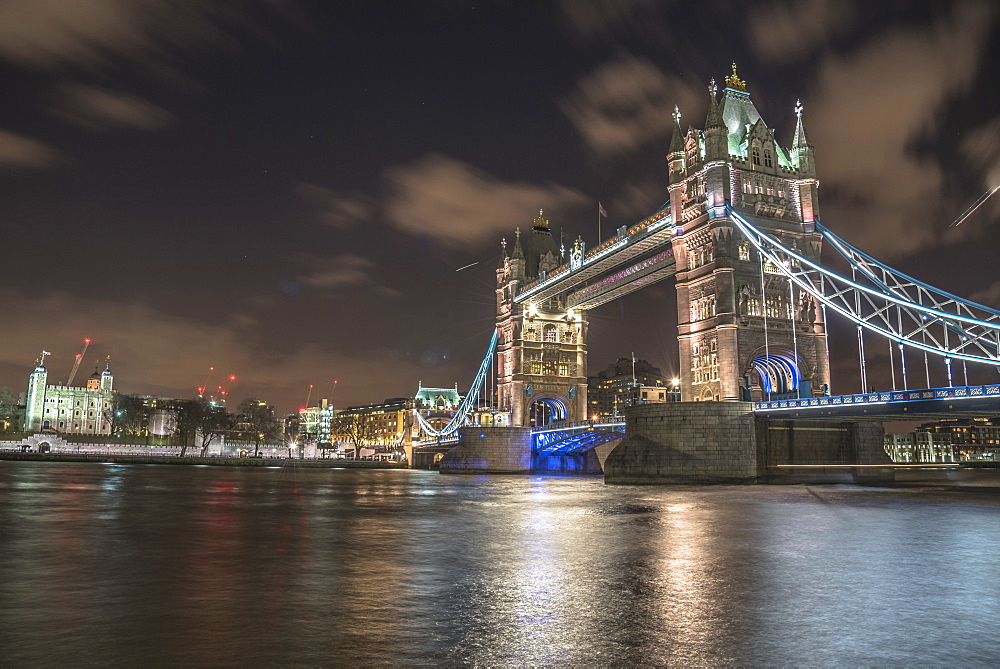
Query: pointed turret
{"type": "Point", "coordinates": [107, 378]}
{"type": "Point", "coordinates": [803, 152]}
{"type": "Point", "coordinates": [675, 156]}
{"type": "Point", "coordinates": [517, 258]}
{"type": "Point", "coordinates": [716, 141]}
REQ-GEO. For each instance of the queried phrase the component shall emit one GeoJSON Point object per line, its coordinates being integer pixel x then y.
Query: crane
{"type": "Point", "coordinates": [76, 364]}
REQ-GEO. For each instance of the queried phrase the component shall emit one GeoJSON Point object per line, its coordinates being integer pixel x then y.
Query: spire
{"type": "Point", "coordinates": [734, 82]}
{"type": "Point", "coordinates": [714, 117]}
{"type": "Point", "coordinates": [677, 141]}
{"type": "Point", "coordinates": [800, 131]}
{"type": "Point", "coordinates": [802, 151]}
{"type": "Point", "coordinates": [716, 135]}
{"type": "Point", "coordinates": [518, 251]}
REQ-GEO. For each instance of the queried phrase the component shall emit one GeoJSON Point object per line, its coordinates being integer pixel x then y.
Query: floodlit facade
{"type": "Point", "coordinates": [314, 422]}
{"type": "Point", "coordinates": [68, 409]}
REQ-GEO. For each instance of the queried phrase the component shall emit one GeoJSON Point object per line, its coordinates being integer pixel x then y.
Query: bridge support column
{"type": "Point", "coordinates": [685, 442]}
{"type": "Point", "coordinates": [490, 450]}
{"type": "Point", "coordinates": [794, 451]}
{"type": "Point", "coordinates": [721, 442]}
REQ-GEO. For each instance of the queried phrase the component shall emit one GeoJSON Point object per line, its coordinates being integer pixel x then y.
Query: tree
{"type": "Point", "coordinates": [8, 410]}
{"type": "Point", "coordinates": [213, 424]}
{"type": "Point", "coordinates": [355, 428]}
{"type": "Point", "coordinates": [256, 421]}
{"type": "Point", "coordinates": [126, 414]}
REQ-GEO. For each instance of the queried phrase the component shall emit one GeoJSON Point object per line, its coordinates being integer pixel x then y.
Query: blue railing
{"type": "Point", "coordinates": [884, 397]}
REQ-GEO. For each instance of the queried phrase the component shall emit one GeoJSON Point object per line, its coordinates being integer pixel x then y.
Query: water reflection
{"type": "Point", "coordinates": [176, 565]}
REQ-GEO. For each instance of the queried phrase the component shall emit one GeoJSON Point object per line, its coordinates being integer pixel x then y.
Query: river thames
{"type": "Point", "coordinates": [171, 565]}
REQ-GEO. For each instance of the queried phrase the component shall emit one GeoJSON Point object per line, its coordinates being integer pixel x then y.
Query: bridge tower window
{"type": "Point", "coordinates": [768, 161]}
{"type": "Point", "coordinates": [755, 156]}
{"type": "Point", "coordinates": [549, 333]}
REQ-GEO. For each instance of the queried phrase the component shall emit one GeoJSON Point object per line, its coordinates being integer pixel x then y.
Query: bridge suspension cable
{"type": "Point", "coordinates": [885, 301]}
{"type": "Point", "coordinates": [468, 402]}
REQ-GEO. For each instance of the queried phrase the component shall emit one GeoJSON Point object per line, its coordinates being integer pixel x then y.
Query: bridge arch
{"type": "Point", "coordinates": [778, 371]}
{"type": "Point", "coordinates": [546, 409]}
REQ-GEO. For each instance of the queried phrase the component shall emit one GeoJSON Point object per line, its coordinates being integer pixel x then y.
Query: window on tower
{"type": "Point", "coordinates": [768, 160]}
{"type": "Point", "coordinates": [755, 156]}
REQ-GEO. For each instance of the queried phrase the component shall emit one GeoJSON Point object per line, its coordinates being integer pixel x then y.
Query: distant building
{"type": "Point", "coordinates": [920, 447]}
{"type": "Point", "coordinates": [68, 409]}
{"type": "Point", "coordinates": [385, 427]}
{"type": "Point", "coordinates": [975, 440]}
{"type": "Point", "coordinates": [314, 422]}
{"type": "Point", "coordinates": [622, 384]}
{"type": "Point", "coordinates": [437, 405]}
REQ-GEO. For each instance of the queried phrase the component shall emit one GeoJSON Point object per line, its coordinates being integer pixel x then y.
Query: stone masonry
{"type": "Point", "coordinates": [495, 450]}
{"type": "Point", "coordinates": [685, 442]}
{"type": "Point", "coordinates": [720, 442]}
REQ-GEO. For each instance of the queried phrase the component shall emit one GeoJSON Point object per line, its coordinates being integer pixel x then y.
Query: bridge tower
{"type": "Point", "coordinates": [739, 320]}
{"type": "Point", "coordinates": [541, 352]}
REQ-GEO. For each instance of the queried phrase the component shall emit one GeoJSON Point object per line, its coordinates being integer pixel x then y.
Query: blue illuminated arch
{"type": "Point", "coordinates": [779, 373]}
{"type": "Point", "coordinates": [554, 410]}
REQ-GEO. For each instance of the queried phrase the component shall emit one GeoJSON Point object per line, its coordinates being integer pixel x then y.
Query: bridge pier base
{"type": "Point", "coordinates": [803, 451]}
{"type": "Point", "coordinates": [489, 450]}
{"type": "Point", "coordinates": [721, 442]}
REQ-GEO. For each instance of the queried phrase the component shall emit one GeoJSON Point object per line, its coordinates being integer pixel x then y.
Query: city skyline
{"type": "Point", "coordinates": [296, 194]}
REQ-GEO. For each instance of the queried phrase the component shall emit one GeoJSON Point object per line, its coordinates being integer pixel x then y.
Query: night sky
{"type": "Point", "coordinates": [285, 190]}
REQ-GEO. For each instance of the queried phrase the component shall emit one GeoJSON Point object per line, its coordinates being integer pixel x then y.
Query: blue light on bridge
{"type": "Point", "coordinates": [884, 398]}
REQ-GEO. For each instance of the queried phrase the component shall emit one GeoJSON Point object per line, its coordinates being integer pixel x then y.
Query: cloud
{"type": "Point", "coordinates": [989, 296]}
{"type": "Point", "coordinates": [459, 205]}
{"type": "Point", "coordinates": [91, 33]}
{"type": "Point", "coordinates": [448, 200]}
{"type": "Point", "coordinates": [20, 153]}
{"type": "Point", "coordinates": [866, 114]}
{"type": "Point", "coordinates": [99, 109]}
{"type": "Point", "coordinates": [786, 31]}
{"type": "Point", "coordinates": [627, 103]}
{"type": "Point", "coordinates": [981, 149]}
{"type": "Point", "coordinates": [599, 16]}
{"type": "Point", "coordinates": [343, 271]}
{"type": "Point", "coordinates": [338, 210]}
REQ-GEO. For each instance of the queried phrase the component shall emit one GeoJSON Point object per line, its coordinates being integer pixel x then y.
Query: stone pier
{"type": "Point", "coordinates": [720, 442]}
{"type": "Point", "coordinates": [490, 450]}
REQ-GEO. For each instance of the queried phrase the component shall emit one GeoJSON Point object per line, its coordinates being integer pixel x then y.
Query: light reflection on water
{"type": "Point", "coordinates": [177, 565]}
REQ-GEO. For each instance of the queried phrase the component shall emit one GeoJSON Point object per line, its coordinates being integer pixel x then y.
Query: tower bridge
{"type": "Point", "coordinates": [741, 235]}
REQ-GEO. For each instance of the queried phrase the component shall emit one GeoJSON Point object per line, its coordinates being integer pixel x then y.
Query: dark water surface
{"type": "Point", "coordinates": [163, 565]}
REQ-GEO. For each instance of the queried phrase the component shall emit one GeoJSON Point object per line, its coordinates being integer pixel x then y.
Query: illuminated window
{"type": "Point", "coordinates": [563, 369]}
{"type": "Point", "coordinates": [744, 250]}
{"type": "Point", "coordinates": [549, 333]}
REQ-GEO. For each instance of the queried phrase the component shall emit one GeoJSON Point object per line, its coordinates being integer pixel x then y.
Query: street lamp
{"type": "Point", "coordinates": [675, 389]}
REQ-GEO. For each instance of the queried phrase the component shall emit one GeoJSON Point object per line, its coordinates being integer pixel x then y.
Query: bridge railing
{"type": "Point", "coordinates": [884, 397]}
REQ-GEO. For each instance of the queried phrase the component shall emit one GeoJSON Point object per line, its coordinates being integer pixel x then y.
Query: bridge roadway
{"type": "Point", "coordinates": [896, 405]}
{"type": "Point", "coordinates": [890, 405]}
{"type": "Point", "coordinates": [629, 245]}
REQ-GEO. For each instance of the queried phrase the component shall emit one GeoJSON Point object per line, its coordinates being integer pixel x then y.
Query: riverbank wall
{"type": "Point", "coordinates": [126, 459]}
